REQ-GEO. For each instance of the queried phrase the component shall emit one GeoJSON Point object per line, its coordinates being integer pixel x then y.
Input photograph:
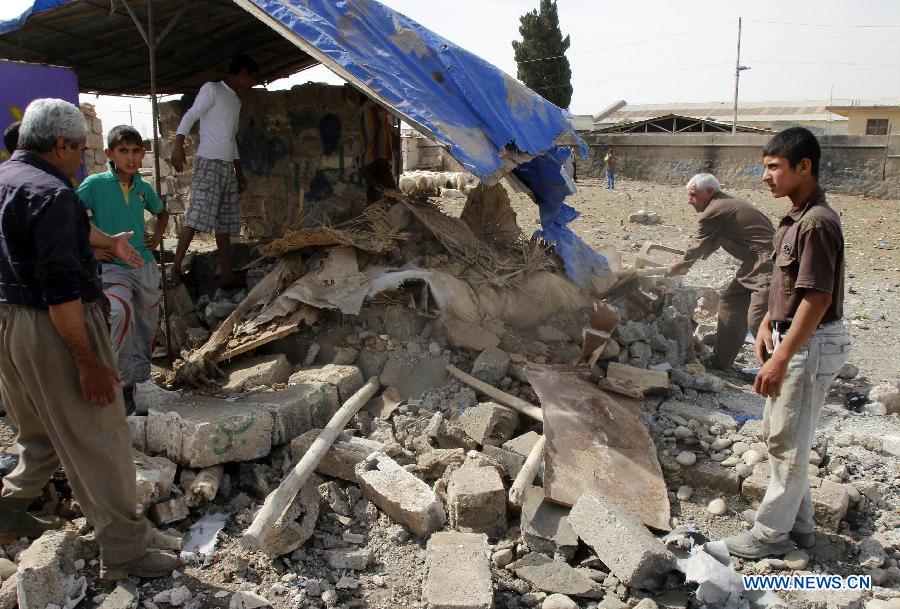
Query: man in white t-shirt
{"type": "Point", "coordinates": [218, 177]}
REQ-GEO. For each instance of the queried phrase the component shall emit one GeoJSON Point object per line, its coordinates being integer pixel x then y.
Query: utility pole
{"type": "Point", "coordinates": [737, 77]}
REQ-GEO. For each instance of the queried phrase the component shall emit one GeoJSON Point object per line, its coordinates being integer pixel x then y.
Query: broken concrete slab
{"type": "Point", "coordinates": [830, 499]}
{"type": "Point", "coordinates": [432, 465]}
{"type": "Point", "coordinates": [47, 574]}
{"type": "Point", "coordinates": [356, 559]}
{"type": "Point", "coordinates": [489, 423]}
{"type": "Point", "coordinates": [476, 501]}
{"type": "Point", "coordinates": [712, 476]}
{"type": "Point", "coordinates": [522, 444]}
{"type": "Point", "coordinates": [384, 405]}
{"type": "Point", "coordinates": [491, 366]}
{"type": "Point", "coordinates": [138, 425]}
{"type": "Point", "coordinates": [155, 476]}
{"type": "Point", "coordinates": [124, 596]}
{"type": "Point", "coordinates": [550, 575]}
{"type": "Point", "coordinates": [399, 494]}
{"type": "Point", "coordinates": [594, 443]}
{"type": "Point", "coordinates": [347, 379]}
{"type": "Point", "coordinates": [621, 541]}
{"type": "Point", "coordinates": [260, 371]}
{"type": "Point", "coordinates": [299, 408]}
{"type": "Point", "coordinates": [702, 415]}
{"type": "Point", "coordinates": [510, 462]}
{"type": "Point", "coordinates": [342, 457]}
{"type": "Point", "coordinates": [199, 431]}
{"type": "Point", "coordinates": [648, 382]}
{"type": "Point", "coordinates": [458, 572]}
{"type": "Point", "coordinates": [545, 525]}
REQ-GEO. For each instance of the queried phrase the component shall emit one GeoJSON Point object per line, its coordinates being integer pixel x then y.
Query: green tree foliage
{"type": "Point", "coordinates": [542, 64]}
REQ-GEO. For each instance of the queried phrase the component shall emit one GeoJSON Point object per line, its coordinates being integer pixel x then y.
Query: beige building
{"type": "Point", "coordinates": [871, 117]}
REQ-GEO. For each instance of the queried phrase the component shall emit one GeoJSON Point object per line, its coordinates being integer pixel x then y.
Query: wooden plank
{"type": "Point", "coordinates": [276, 330]}
{"type": "Point", "coordinates": [649, 382]}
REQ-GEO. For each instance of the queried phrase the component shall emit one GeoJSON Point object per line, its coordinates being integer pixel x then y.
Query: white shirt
{"type": "Point", "coordinates": [218, 109]}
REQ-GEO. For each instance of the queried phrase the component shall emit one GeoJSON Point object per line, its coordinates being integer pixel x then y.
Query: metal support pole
{"type": "Point", "coordinates": [738, 68]}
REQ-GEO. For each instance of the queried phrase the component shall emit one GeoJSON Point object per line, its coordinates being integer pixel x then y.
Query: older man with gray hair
{"type": "Point", "coordinates": [746, 233]}
{"type": "Point", "coordinates": [56, 362]}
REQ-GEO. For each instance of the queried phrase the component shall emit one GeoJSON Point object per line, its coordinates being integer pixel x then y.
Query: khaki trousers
{"type": "Point", "coordinates": [56, 424]}
{"type": "Point", "coordinates": [789, 422]}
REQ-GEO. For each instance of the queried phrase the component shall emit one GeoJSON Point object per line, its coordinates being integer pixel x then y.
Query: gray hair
{"type": "Point", "coordinates": [47, 120]}
{"type": "Point", "coordinates": [704, 181]}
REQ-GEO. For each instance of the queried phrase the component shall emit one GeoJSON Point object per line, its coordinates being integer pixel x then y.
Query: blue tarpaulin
{"type": "Point", "coordinates": [487, 120]}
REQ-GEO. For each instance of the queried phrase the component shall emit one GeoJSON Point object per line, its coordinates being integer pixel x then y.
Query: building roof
{"type": "Point", "coordinates": [866, 104]}
{"type": "Point", "coordinates": [673, 123]}
{"type": "Point", "coordinates": [763, 111]}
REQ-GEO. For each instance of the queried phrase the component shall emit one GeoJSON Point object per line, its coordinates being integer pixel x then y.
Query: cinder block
{"type": "Point", "coordinates": [342, 458]}
{"type": "Point", "coordinates": [347, 379]}
{"type": "Point", "coordinates": [459, 575]}
{"type": "Point", "coordinates": [477, 501]}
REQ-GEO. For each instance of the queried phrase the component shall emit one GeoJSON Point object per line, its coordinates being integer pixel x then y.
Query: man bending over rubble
{"type": "Point", "coordinates": [746, 233]}
{"type": "Point", "coordinates": [57, 368]}
{"type": "Point", "coordinates": [802, 343]}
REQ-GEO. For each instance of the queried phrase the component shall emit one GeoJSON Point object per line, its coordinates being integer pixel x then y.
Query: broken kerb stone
{"type": "Point", "coordinates": [199, 431]}
{"type": "Point", "coordinates": [347, 379]}
{"type": "Point", "coordinates": [545, 525]}
{"type": "Point", "coordinates": [621, 541]}
{"type": "Point", "coordinates": [258, 372]}
{"type": "Point", "coordinates": [550, 575]}
{"type": "Point", "coordinates": [477, 501]}
{"type": "Point", "coordinates": [47, 574]}
{"type": "Point", "coordinates": [489, 423]}
{"type": "Point", "coordinates": [459, 575]}
{"type": "Point", "coordinates": [299, 408]}
{"type": "Point", "coordinates": [405, 498]}
{"type": "Point", "coordinates": [342, 457]}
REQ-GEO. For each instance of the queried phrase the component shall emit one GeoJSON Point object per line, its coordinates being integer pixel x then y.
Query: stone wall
{"type": "Point", "coordinates": [94, 157]}
{"type": "Point", "coordinates": [299, 149]}
{"type": "Point", "coordinates": [851, 164]}
{"type": "Point", "coordinates": [419, 152]}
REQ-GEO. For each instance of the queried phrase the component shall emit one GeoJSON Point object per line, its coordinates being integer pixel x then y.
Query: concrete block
{"type": "Point", "coordinates": [138, 425]}
{"type": "Point", "coordinates": [347, 379]}
{"type": "Point", "coordinates": [342, 458]}
{"type": "Point", "coordinates": [545, 525]}
{"type": "Point", "coordinates": [621, 541]}
{"type": "Point", "coordinates": [172, 510]}
{"type": "Point", "coordinates": [299, 408]}
{"type": "Point", "coordinates": [349, 558]}
{"type": "Point", "coordinates": [432, 465]}
{"type": "Point", "coordinates": [522, 444]}
{"type": "Point", "coordinates": [155, 476]}
{"type": "Point", "coordinates": [511, 462]}
{"type": "Point", "coordinates": [476, 501]}
{"type": "Point", "coordinates": [46, 574]}
{"type": "Point", "coordinates": [713, 476]}
{"type": "Point", "coordinates": [7, 568]}
{"type": "Point", "coordinates": [199, 431]}
{"type": "Point", "coordinates": [405, 498]}
{"type": "Point", "coordinates": [458, 572]}
{"type": "Point", "coordinates": [124, 596]}
{"type": "Point", "coordinates": [489, 423]}
{"type": "Point", "coordinates": [830, 500]}
{"type": "Point", "coordinates": [554, 576]}
{"type": "Point", "coordinates": [491, 365]}
{"type": "Point", "coordinates": [830, 599]}
{"type": "Point", "coordinates": [264, 371]}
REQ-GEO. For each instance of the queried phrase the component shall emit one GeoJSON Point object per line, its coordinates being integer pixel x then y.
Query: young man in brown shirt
{"type": "Point", "coordinates": [746, 233]}
{"type": "Point", "coordinates": [802, 343]}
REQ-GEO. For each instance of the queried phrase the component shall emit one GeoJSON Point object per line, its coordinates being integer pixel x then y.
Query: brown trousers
{"type": "Point", "coordinates": [56, 424]}
{"type": "Point", "coordinates": [740, 308]}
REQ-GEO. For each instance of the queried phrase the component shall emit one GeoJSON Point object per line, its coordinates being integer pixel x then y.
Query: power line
{"type": "Point", "coordinates": [824, 24]}
{"type": "Point", "coordinates": [629, 44]}
{"type": "Point", "coordinates": [826, 63]}
{"type": "Point", "coordinates": [672, 71]}
{"type": "Point", "coordinates": [821, 36]}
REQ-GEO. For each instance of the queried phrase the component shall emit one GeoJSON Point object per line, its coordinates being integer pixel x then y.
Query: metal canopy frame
{"type": "Point", "coordinates": [675, 123]}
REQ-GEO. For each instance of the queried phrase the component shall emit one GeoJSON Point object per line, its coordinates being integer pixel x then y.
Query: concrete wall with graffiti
{"type": "Point", "coordinates": [299, 149]}
{"type": "Point", "coordinates": [851, 164]}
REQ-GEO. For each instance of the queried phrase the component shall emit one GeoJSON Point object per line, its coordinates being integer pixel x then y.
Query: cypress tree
{"type": "Point", "coordinates": [541, 55]}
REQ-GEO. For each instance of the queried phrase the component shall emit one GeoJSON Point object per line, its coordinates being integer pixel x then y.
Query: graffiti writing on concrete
{"type": "Point", "coordinates": [754, 170]}
{"type": "Point", "coordinates": [223, 441]}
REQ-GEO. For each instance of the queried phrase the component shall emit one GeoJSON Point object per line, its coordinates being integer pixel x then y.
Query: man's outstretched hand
{"type": "Point", "coordinates": [123, 250]}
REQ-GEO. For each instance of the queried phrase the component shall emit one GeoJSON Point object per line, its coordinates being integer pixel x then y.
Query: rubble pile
{"type": "Point", "coordinates": [530, 444]}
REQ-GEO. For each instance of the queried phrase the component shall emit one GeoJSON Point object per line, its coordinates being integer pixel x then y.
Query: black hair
{"type": "Point", "coordinates": [243, 62]}
{"type": "Point", "coordinates": [123, 133]}
{"type": "Point", "coordinates": [11, 136]}
{"type": "Point", "coordinates": [795, 144]}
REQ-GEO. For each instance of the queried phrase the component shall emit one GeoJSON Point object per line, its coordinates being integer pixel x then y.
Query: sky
{"type": "Point", "coordinates": [656, 51]}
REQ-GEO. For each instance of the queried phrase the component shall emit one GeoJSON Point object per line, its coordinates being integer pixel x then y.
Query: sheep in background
{"type": "Point", "coordinates": [431, 183]}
